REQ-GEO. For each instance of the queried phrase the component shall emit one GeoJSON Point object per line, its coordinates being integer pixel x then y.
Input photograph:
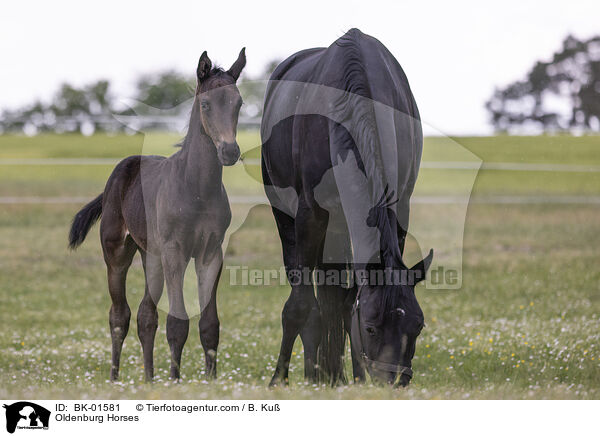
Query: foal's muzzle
{"type": "Point", "coordinates": [228, 153]}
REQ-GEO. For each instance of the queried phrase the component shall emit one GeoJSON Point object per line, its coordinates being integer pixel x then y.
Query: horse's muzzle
{"type": "Point", "coordinates": [228, 153]}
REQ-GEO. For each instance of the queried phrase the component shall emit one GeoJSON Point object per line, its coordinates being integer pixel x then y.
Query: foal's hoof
{"type": "Point", "coordinates": [114, 374]}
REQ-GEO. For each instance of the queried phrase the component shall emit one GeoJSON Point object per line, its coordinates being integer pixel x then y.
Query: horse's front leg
{"type": "Point", "coordinates": [147, 317]}
{"type": "Point", "coordinates": [174, 263]}
{"type": "Point", "coordinates": [208, 270]}
{"type": "Point", "coordinates": [358, 370]}
{"type": "Point", "coordinates": [298, 309]}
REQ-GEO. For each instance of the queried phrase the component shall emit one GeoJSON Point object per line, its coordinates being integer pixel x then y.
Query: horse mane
{"type": "Point", "coordinates": [383, 217]}
{"type": "Point", "coordinates": [216, 71]}
{"type": "Point", "coordinates": [362, 114]}
{"type": "Point", "coordinates": [355, 81]}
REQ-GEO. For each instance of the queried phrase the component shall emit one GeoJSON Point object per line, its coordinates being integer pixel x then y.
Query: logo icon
{"type": "Point", "coordinates": [26, 415]}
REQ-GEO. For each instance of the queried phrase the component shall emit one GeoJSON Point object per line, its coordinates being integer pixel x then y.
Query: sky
{"type": "Point", "coordinates": [453, 52]}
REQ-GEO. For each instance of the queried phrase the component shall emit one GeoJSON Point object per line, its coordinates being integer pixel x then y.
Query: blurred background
{"type": "Point", "coordinates": [474, 68]}
{"type": "Point", "coordinates": [508, 192]}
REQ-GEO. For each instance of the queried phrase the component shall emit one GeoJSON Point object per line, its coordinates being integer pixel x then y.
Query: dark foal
{"type": "Point", "coordinates": [171, 210]}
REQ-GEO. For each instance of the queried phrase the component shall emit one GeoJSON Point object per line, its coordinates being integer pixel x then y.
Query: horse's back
{"type": "Point", "coordinates": [129, 192]}
{"type": "Point", "coordinates": [355, 63]}
{"type": "Point", "coordinates": [358, 69]}
{"type": "Point", "coordinates": [131, 172]}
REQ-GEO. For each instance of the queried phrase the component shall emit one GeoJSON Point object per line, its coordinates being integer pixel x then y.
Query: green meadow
{"type": "Point", "coordinates": [524, 325]}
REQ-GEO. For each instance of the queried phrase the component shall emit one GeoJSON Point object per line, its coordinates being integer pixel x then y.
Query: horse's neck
{"type": "Point", "coordinates": [202, 171]}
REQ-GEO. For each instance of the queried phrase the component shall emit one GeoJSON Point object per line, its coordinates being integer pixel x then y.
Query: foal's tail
{"type": "Point", "coordinates": [83, 221]}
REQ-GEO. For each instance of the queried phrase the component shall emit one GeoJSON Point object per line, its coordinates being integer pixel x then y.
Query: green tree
{"type": "Point", "coordinates": [165, 90]}
{"type": "Point", "coordinates": [561, 94]}
{"type": "Point", "coordinates": [253, 91]}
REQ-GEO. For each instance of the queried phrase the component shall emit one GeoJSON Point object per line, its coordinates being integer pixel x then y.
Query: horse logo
{"type": "Point", "coordinates": [26, 415]}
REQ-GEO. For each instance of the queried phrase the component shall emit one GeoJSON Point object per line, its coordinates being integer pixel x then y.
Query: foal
{"type": "Point", "coordinates": [171, 210]}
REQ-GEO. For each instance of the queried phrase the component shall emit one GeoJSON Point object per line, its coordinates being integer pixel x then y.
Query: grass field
{"type": "Point", "coordinates": [526, 323]}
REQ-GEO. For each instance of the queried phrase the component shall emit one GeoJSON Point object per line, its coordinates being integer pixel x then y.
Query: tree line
{"type": "Point", "coordinates": [562, 94]}
{"type": "Point", "coordinates": [92, 107]}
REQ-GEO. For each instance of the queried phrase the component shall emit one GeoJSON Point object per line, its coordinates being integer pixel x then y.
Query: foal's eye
{"type": "Point", "coordinates": [371, 331]}
{"type": "Point", "coordinates": [400, 311]}
{"type": "Point", "coordinates": [204, 105]}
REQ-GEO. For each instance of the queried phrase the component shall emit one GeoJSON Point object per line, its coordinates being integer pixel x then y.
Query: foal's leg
{"type": "Point", "coordinates": [147, 317]}
{"type": "Point", "coordinates": [208, 325]}
{"type": "Point", "coordinates": [118, 254]}
{"type": "Point", "coordinates": [174, 264]}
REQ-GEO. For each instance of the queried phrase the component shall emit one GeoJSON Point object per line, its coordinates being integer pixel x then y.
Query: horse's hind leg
{"type": "Point", "coordinates": [147, 317]}
{"type": "Point", "coordinates": [118, 254]}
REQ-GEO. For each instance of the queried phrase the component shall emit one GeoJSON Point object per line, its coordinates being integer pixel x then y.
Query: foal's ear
{"type": "Point", "coordinates": [238, 65]}
{"type": "Point", "coordinates": [204, 66]}
{"type": "Point", "coordinates": [420, 269]}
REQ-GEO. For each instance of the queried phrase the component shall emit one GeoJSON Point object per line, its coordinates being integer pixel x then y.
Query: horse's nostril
{"type": "Point", "coordinates": [233, 155]}
{"type": "Point", "coordinates": [229, 153]}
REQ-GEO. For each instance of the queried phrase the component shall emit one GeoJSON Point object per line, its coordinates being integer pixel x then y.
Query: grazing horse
{"type": "Point", "coordinates": [340, 127]}
{"type": "Point", "coordinates": [171, 210]}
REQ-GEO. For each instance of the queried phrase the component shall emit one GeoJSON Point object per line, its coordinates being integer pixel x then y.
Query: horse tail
{"type": "Point", "coordinates": [330, 356]}
{"type": "Point", "coordinates": [83, 221]}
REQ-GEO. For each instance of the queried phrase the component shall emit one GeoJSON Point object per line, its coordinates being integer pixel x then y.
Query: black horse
{"type": "Point", "coordinates": [342, 144]}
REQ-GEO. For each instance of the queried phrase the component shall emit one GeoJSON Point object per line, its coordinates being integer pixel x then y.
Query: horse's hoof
{"type": "Point", "coordinates": [360, 380]}
{"type": "Point", "coordinates": [114, 375]}
{"type": "Point", "coordinates": [277, 382]}
{"type": "Point", "coordinates": [211, 373]}
{"type": "Point", "coordinates": [403, 382]}
{"type": "Point", "coordinates": [175, 374]}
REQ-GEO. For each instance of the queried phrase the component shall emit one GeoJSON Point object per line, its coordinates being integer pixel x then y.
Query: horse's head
{"type": "Point", "coordinates": [218, 102]}
{"type": "Point", "coordinates": [387, 318]}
